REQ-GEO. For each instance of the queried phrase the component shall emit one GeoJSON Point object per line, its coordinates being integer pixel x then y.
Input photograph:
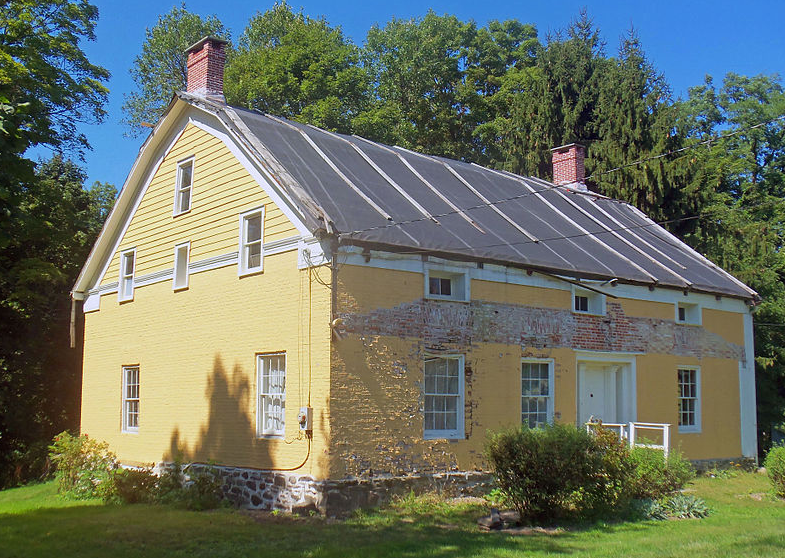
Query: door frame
{"type": "Point", "coordinates": [624, 359]}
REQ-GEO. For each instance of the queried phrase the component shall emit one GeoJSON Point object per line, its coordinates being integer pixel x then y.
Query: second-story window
{"type": "Point", "coordinates": [184, 186]}
{"type": "Point", "coordinates": [251, 235]}
{"type": "Point", "coordinates": [125, 289]}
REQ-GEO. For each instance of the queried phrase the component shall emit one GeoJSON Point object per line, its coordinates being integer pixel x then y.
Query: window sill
{"type": "Point", "coordinates": [248, 272]}
{"type": "Point", "coordinates": [443, 436]}
{"type": "Point", "coordinates": [135, 431]}
{"type": "Point", "coordinates": [446, 298]}
{"type": "Point", "coordinates": [178, 289]}
{"type": "Point", "coordinates": [689, 430]}
{"type": "Point", "coordinates": [270, 436]}
{"type": "Point", "coordinates": [181, 213]}
{"type": "Point", "coordinates": [579, 313]}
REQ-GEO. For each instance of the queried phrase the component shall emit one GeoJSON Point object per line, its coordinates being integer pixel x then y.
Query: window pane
{"type": "Point", "coordinates": [434, 286]}
{"type": "Point", "coordinates": [253, 229]}
{"type": "Point", "coordinates": [254, 255]}
{"type": "Point", "coordinates": [446, 287]}
{"type": "Point", "coordinates": [129, 265]}
{"type": "Point", "coordinates": [185, 175]}
{"type": "Point", "coordinates": [185, 200]}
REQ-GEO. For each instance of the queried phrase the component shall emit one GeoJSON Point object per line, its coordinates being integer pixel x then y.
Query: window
{"type": "Point", "coordinates": [130, 398]}
{"type": "Point", "coordinates": [271, 389]}
{"type": "Point", "coordinates": [183, 187]}
{"type": "Point", "coordinates": [687, 313]}
{"type": "Point", "coordinates": [181, 256]}
{"type": "Point", "coordinates": [536, 393]}
{"type": "Point", "coordinates": [444, 397]}
{"type": "Point", "coordinates": [446, 285]}
{"type": "Point", "coordinates": [587, 302]}
{"type": "Point", "coordinates": [125, 289]}
{"type": "Point", "coordinates": [689, 400]}
{"type": "Point", "coordinates": [251, 255]}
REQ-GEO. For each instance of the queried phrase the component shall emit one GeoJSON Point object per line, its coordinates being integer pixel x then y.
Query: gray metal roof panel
{"type": "Point", "coordinates": [527, 223]}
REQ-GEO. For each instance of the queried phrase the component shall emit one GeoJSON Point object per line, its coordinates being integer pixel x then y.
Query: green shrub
{"type": "Point", "coordinates": [85, 467]}
{"type": "Point", "coordinates": [653, 477]}
{"type": "Point", "coordinates": [685, 506]}
{"type": "Point", "coordinates": [648, 509]}
{"type": "Point", "coordinates": [133, 486]}
{"type": "Point", "coordinates": [558, 469]}
{"type": "Point", "coordinates": [775, 469]}
{"type": "Point", "coordinates": [200, 490]}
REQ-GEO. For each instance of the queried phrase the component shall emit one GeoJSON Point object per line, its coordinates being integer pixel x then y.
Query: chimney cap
{"type": "Point", "coordinates": [198, 44]}
{"type": "Point", "coordinates": [566, 147]}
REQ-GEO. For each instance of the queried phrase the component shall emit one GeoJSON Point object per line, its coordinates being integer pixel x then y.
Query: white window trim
{"type": "Point", "coordinates": [260, 432]}
{"type": "Point", "coordinates": [592, 296]}
{"type": "Point", "coordinates": [121, 295]}
{"type": "Point", "coordinates": [448, 273]}
{"type": "Point", "coordinates": [242, 269]}
{"type": "Point", "coordinates": [124, 381]}
{"type": "Point", "coordinates": [551, 403]}
{"type": "Point", "coordinates": [177, 248]}
{"type": "Point", "coordinates": [459, 432]}
{"type": "Point", "coordinates": [696, 428]}
{"type": "Point", "coordinates": [696, 309]}
{"type": "Point", "coordinates": [180, 164]}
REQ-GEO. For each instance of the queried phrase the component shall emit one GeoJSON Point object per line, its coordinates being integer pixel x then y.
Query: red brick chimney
{"type": "Point", "coordinates": [568, 165]}
{"type": "Point", "coordinates": [206, 60]}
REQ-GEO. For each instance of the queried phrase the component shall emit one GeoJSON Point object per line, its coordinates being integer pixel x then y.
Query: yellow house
{"type": "Point", "coordinates": [328, 319]}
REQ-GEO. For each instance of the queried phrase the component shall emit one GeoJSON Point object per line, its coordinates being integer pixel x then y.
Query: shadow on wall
{"type": "Point", "coordinates": [229, 435]}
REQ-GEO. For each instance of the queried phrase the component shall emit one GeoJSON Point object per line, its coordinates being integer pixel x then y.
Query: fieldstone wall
{"type": "Point", "coordinates": [276, 490]}
{"type": "Point", "coordinates": [743, 463]}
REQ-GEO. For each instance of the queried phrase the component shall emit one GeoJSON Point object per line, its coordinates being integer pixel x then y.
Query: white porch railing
{"type": "Point", "coordinates": [629, 432]}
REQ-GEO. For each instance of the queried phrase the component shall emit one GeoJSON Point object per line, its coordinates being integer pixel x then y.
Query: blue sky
{"type": "Point", "coordinates": [685, 40]}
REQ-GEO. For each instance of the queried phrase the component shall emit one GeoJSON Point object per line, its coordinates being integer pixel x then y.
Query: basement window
{"type": "Point", "coordinates": [446, 285]}
{"type": "Point", "coordinates": [585, 301]}
{"type": "Point", "coordinates": [688, 313]}
{"type": "Point", "coordinates": [183, 186]}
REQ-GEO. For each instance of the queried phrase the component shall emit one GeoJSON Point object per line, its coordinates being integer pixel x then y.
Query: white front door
{"type": "Point", "coordinates": [597, 389]}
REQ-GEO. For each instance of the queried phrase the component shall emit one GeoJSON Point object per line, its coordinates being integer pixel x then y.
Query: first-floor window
{"type": "Point", "coordinates": [689, 399]}
{"type": "Point", "coordinates": [536, 393]}
{"type": "Point", "coordinates": [271, 390]}
{"type": "Point", "coordinates": [130, 398]}
{"type": "Point", "coordinates": [444, 397]}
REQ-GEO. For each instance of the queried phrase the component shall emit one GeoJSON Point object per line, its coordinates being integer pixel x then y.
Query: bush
{"type": "Point", "coordinates": [686, 506]}
{"type": "Point", "coordinates": [775, 469]}
{"type": "Point", "coordinates": [653, 477]}
{"type": "Point", "coordinates": [557, 469]}
{"type": "Point", "coordinates": [133, 486]}
{"type": "Point", "coordinates": [85, 467]}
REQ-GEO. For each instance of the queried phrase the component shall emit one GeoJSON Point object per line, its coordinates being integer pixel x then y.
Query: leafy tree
{"type": "Point", "coordinates": [743, 227]}
{"type": "Point", "coordinates": [292, 65]}
{"type": "Point", "coordinates": [56, 223]}
{"type": "Point", "coordinates": [423, 99]}
{"type": "Point", "coordinates": [162, 67]}
{"type": "Point", "coordinates": [47, 87]}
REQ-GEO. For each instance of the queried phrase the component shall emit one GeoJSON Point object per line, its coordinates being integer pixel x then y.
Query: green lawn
{"type": "Point", "coordinates": [35, 522]}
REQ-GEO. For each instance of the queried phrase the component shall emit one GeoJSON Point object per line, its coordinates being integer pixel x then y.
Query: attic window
{"type": "Point", "coordinates": [183, 187]}
{"type": "Point", "coordinates": [446, 285]}
{"type": "Point", "coordinates": [688, 313]}
{"type": "Point", "coordinates": [251, 247]}
{"type": "Point", "coordinates": [125, 290]}
{"type": "Point", "coordinates": [585, 301]}
{"type": "Point", "coordinates": [181, 255]}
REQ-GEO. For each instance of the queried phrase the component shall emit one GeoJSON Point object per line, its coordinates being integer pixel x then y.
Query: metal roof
{"type": "Point", "coordinates": [394, 199]}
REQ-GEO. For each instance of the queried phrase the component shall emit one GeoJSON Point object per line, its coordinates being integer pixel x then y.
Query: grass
{"type": "Point", "coordinates": [35, 522]}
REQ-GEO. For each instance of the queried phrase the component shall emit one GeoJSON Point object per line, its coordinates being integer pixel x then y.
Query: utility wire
{"type": "Point", "coordinates": [554, 187]}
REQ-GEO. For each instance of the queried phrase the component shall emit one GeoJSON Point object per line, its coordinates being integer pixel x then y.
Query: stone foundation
{"type": "Point", "coordinates": [743, 463]}
{"type": "Point", "coordinates": [291, 492]}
